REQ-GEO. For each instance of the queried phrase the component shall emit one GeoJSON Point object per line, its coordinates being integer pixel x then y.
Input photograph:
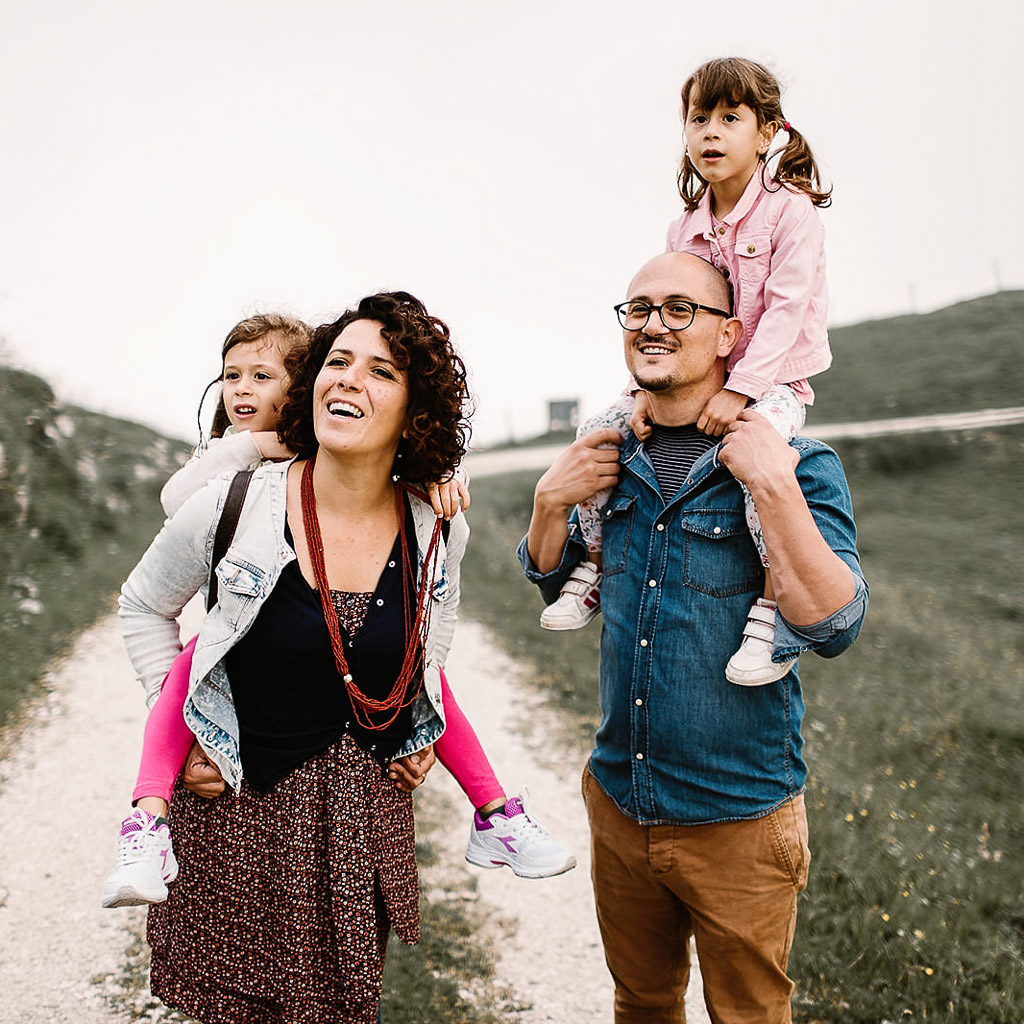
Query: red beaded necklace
{"type": "Point", "coordinates": [363, 706]}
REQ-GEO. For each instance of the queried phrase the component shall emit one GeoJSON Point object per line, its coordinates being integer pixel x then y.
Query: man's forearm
{"type": "Point", "coordinates": [810, 581]}
{"type": "Point", "coordinates": [583, 469]}
{"type": "Point", "coordinates": [549, 530]}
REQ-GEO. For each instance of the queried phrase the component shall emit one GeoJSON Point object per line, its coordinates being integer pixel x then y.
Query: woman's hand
{"type": "Point", "coordinates": [409, 773]}
{"type": "Point", "coordinates": [201, 775]}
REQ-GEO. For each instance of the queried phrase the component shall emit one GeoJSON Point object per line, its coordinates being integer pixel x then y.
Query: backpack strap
{"type": "Point", "coordinates": [226, 528]}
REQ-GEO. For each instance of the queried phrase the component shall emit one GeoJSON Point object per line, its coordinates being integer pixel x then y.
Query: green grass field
{"type": "Point", "coordinates": [915, 737]}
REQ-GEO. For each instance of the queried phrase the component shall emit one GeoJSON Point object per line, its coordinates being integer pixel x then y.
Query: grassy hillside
{"type": "Point", "coordinates": [79, 501]}
{"type": "Point", "coordinates": [967, 356]}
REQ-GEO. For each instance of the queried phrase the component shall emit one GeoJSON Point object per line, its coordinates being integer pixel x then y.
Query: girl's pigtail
{"type": "Point", "coordinates": [793, 164]}
{"type": "Point", "coordinates": [691, 185]}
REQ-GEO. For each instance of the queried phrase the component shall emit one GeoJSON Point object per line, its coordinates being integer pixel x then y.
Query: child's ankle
{"type": "Point", "coordinates": [492, 806]}
{"type": "Point", "coordinates": [154, 805]}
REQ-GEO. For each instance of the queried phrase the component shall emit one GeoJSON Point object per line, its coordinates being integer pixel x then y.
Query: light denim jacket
{"type": "Point", "coordinates": [678, 743]}
{"type": "Point", "coordinates": [177, 565]}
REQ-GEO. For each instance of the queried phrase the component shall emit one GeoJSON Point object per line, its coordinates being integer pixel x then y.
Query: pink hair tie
{"type": "Point", "coordinates": [775, 150]}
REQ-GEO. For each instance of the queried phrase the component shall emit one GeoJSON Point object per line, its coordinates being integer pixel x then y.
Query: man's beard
{"type": "Point", "coordinates": [654, 384]}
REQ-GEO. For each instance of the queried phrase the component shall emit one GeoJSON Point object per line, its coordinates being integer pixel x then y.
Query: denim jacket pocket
{"type": "Point", "coordinates": [720, 558]}
{"type": "Point", "coordinates": [616, 529]}
{"type": "Point", "coordinates": [239, 585]}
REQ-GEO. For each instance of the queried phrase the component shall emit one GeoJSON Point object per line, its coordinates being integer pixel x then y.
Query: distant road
{"type": "Point", "coordinates": [912, 424]}
{"type": "Point", "coordinates": [509, 460]}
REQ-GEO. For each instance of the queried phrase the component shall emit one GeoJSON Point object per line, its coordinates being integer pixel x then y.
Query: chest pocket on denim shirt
{"type": "Point", "coordinates": [616, 529]}
{"type": "Point", "coordinates": [239, 584]}
{"type": "Point", "coordinates": [719, 558]}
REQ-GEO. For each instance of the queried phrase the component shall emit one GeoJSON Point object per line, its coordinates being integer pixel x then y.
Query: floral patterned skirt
{"type": "Point", "coordinates": [281, 911]}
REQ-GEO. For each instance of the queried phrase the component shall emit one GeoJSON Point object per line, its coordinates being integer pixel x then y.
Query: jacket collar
{"type": "Point", "coordinates": [702, 225]}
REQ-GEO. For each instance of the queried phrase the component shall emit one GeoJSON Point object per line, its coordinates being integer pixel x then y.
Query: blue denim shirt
{"type": "Point", "coordinates": [678, 743]}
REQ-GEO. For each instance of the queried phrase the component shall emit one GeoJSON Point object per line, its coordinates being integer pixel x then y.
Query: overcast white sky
{"type": "Point", "coordinates": [169, 168]}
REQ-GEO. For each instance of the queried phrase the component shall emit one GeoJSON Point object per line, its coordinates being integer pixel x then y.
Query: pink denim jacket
{"type": "Point", "coordinates": [772, 244]}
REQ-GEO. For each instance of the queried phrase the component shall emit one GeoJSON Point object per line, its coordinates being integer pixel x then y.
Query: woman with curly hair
{"type": "Point", "coordinates": [316, 680]}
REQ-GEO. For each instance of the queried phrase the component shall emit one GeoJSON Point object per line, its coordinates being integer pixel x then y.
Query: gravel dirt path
{"type": "Point", "coordinates": [65, 785]}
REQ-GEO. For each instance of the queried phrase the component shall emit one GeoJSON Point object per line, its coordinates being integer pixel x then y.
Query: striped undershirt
{"type": "Point", "coordinates": [673, 451]}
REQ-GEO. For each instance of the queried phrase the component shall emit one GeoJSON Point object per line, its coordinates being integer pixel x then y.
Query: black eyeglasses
{"type": "Point", "coordinates": [676, 314]}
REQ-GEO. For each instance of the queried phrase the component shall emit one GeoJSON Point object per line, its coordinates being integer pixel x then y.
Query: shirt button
{"type": "Point", "coordinates": [751, 249]}
{"type": "Point", "coordinates": [380, 602]}
{"type": "Point", "coordinates": [643, 643]}
{"type": "Point", "coordinates": [660, 527]}
{"type": "Point", "coordinates": [717, 529]}
{"type": "Point", "coordinates": [652, 583]}
{"type": "Point", "coordinates": [638, 702]}
{"type": "Point", "coordinates": [639, 757]}
{"type": "Point", "coordinates": [721, 231]}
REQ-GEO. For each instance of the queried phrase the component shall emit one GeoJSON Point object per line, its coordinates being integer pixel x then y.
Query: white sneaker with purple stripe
{"type": "Point", "coordinates": [512, 838]}
{"type": "Point", "coordinates": [145, 862]}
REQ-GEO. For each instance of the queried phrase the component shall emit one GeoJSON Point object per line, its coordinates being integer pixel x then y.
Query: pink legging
{"type": "Point", "coordinates": [167, 740]}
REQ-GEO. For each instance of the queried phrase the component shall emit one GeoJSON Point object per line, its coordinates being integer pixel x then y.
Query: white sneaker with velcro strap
{"type": "Point", "coordinates": [752, 664]}
{"type": "Point", "coordinates": [579, 601]}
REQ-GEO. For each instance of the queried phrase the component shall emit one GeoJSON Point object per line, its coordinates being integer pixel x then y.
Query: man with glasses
{"type": "Point", "coordinates": [695, 786]}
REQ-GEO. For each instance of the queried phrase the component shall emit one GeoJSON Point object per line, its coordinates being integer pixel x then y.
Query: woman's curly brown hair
{"type": "Point", "coordinates": [420, 344]}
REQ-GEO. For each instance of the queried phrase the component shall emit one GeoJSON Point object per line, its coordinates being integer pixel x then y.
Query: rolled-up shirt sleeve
{"type": "Point", "coordinates": [824, 487]}
{"type": "Point", "coordinates": [550, 583]}
{"type": "Point", "coordinates": [831, 636]}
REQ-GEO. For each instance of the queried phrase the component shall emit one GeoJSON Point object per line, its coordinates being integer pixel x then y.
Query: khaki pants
{"type": "Point", "coordinates": [732, 885]}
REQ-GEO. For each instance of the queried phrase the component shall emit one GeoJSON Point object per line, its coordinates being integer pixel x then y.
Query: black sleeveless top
{"type": "Point", "coordinates": [290, 700]}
